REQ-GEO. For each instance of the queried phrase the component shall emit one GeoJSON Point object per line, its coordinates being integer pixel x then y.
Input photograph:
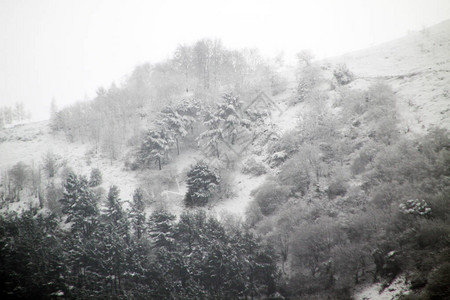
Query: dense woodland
{"type": "Point", "coordinates": [348, 198]}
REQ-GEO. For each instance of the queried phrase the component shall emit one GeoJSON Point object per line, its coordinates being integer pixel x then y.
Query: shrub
{"type": "Point", "coordinates": [253, 167]}
{"type": "Point", "coordinates": [415, 207]}
{"type": "Point", "coordinates": [337, 188]}
{"type": "Point", "coordinates": [270, 196]}
{"type": "Point", "coordinates": [309, 78]}
{"type": "Point", "coordinates": [343, 75]}
{"type": "Point", "coordinates": [289, 143]}
{"type": "Point", "coordinates": [96, 177]}
{"type": "Point", "coordinates": [439, 283]}
{"type": "Point", "coordinates": [296, 175]}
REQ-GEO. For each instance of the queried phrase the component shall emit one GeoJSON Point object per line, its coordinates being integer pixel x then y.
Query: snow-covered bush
{"type": "Point", "coordinates": [277, 158]}
{"type": "Point", "coordinates": [270, 196]}
{"type": "Point", "coordinates": [295, 174]}
{"type": "Point", "coordinates": [343, 75]}
{"type": "Point", "coordinates": [415, 207]}
{"type": "Point", "coordinates": [309, 78]}
{"type": "Point", "coordinates": [337, 188]}
{"type": "Point", "coordinates": [253, 167]}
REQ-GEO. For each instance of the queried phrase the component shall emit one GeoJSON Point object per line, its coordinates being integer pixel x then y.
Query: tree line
{"type": "Point", "coordinates": [107, 252]}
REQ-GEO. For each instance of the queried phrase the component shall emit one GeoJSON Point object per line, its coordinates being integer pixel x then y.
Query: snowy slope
{"type": "Point", "coordinates": [30, 142]}
{"type": "Point", "coordinates": [417, 67]}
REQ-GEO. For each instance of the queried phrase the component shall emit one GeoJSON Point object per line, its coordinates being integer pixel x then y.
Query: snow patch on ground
{"type": "Point", "coordinates": [375, 292]}
{"type": "Point", "coordinates": [30, 142]}
{"type": "Point", "coordinates": [244, 185]}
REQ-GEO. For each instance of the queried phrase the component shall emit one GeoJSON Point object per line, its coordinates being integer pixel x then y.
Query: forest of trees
{"type": "Point", "coordinates": [204, 71]}
{"type": "Point", "coordinates": [348, 196]}
{"type": "Point", "coordinates": [112, 253]}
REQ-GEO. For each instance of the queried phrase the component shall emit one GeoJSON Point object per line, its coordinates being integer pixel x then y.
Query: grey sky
{"type": "Point", "coordinates": [66, 49]}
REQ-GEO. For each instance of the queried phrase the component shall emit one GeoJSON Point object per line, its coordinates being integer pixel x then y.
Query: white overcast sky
{"type": "Point", "coordinates": [66, 49]}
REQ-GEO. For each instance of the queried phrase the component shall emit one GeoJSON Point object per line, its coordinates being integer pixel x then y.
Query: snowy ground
{"type": "Point", "coordinates": [30, 142]}
{"type": "Point", "coordinates": [375, 292]}
{"type": "Point", "coordinates": [418, 68]}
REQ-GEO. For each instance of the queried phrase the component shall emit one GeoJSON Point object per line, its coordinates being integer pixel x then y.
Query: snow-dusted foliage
{"type": "Point", "coordinates": [415, 207]}
{"type": "Point", "coordinates": [80, 205]}
{"type": "Point", "coordinates": [154, 147]}
{"type": "Point", "coordinates": [201, 182]}
{"type": "Point", "coordinates": [224, 125]}
{"type": "Point", "coordinates": [343, 75]}
{"type": "Point", "coordinates": [96, 177]}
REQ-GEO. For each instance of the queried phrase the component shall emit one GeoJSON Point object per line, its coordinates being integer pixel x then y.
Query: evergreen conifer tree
{"type": "Point", "coordinates": [201, 183]}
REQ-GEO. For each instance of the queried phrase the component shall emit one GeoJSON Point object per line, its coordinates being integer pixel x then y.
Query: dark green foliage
{"type": "Point", "coordinates": [32, 263]}
{"type": "Point", "coordinates": [160, 229]}
{"type": "Point", "coordinates": [201, 182]}
{"type": "Point", "coordinates": [79, 204]}
{"type": "Point", "coordinates": [439, 283]}
{"type": "Point", "coordinates": [137, 214]}
{"type": "Point", "coordinates": [195, 257]}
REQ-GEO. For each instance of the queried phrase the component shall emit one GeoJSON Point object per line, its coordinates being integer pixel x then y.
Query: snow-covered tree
{"type": "Point", "coordinates": [210, 139]}
{"type": "Point", "coordinates": [79, 204]}
{"type": "Point", "coordinates": [160, 229]}
{"type": "Point", "coordinates": [201, 183]}
{"type": "Point", "coordinates": [137, 214]}
{"type": "Point", "coordinates": [96, 177]}
{"type": "Point", "coordinates": [173, 122]}
{"type": "Point", "coordinates": [115, 240]}
{"type": "Point", "coordinates": [228, 112]}
{"type": "Point", "coordinates": [155, 146]}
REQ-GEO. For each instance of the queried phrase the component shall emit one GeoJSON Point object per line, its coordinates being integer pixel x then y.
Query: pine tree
{"type": "Point", "coordinates": [79, 204]}
{"type": "Point", "coordinates": [210, 139]}
{"type": "Point", "coordinates": [155, 146]}
{"type": "Point", "coordinates": [160, 229]}
{"type": "Point", "coordinates": [137, 213]}
{"type": "Point", "coordinates": [174, 124]}
{"type": "Point", "coordinates": [201, 183]}
{"type": "Point", "coordinates": [115, 240]}
{"type": "Point", "coordinates": [228, 112]}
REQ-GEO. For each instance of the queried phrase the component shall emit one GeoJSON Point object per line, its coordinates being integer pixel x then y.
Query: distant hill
{"type": "Point", "coordinates": [417, 66]}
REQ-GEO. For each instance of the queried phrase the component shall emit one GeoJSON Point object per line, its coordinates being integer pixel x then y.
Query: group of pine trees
{"type": "Point", "coordinates": [172, 124]}
{"type": "Point", "coordinates": [223, 124]}
{"type": "Point", "coordinates": [107, 252]}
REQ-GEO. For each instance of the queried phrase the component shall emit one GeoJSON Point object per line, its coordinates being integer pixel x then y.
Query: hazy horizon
{"type": "Point", "coordinates": [66, 49]}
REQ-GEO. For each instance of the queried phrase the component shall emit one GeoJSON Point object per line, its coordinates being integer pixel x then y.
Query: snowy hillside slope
{"type": "Point", "coordinates": [417, 66]}
{"type": "Point", "coordinates": [30, 142]}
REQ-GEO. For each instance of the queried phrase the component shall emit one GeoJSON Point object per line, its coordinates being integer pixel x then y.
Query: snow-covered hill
{"type": "Point", "coordinates": [417, 66]}
{"type": "Point", "coordinates": [30, 142]}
